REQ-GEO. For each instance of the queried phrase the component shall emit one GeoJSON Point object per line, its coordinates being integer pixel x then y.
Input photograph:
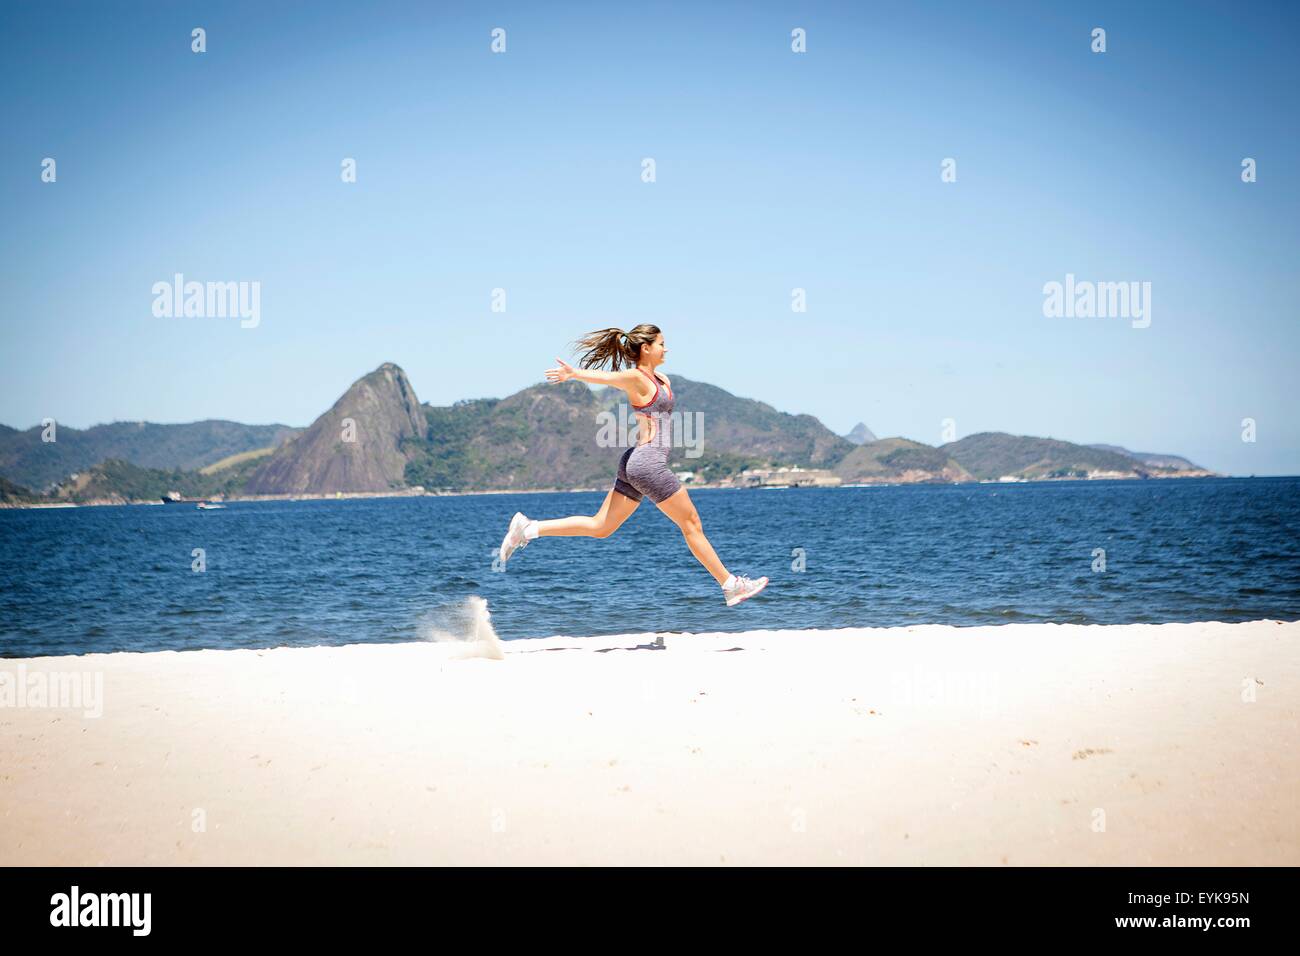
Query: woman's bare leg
{"type": "Point", "coordinates": [681, 510]}
{"type": "Point", "coordinates": [613, 512]}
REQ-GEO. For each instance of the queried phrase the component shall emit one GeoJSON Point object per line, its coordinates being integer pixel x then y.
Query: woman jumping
{"type": "Point", "coordinates": [643, 469]}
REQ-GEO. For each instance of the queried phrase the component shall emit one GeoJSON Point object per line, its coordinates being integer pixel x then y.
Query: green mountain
{"type": "Point", "coordinates": [119, 482]}
{"type": "Point", "coordinates": [1154, 460]}
{"type": "Point", "coordinates": [550, 436]}
{"type": "Point", "coordinates": [746, 427]}
{"type": "Point", "coordinates": [993, 455]}
{"type": "Point", "coordinates": [27, 460]}
{"type": "Point", "coordinates": [891, 460]}
{"type": "Point", "coordinates": [545, 436]}
{"type": "Point", "coordinates": [14, 494]}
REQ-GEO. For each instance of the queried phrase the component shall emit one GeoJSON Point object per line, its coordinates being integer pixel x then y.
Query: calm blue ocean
{"type": "Point", "coordinates": [301, 573]}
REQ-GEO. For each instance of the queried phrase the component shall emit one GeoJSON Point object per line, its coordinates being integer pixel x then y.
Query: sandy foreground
{"type": "Point", "coordinates": [1171, 744]}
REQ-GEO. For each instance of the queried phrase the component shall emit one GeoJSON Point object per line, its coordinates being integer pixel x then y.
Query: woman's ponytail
{"type": "Point", "coordinates": [614, 347]}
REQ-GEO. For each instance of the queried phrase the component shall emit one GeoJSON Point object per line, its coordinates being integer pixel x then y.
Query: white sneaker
{"type": "Point", "coordinates": [514, 538]}
{"type": "Point", "coordinates": [744, 588]}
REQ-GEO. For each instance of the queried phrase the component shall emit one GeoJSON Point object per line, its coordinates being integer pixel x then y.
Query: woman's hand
{"type": "Point", "coordinates": [561, 374]}
{"type": "Point", "coordinates": [629, 380]}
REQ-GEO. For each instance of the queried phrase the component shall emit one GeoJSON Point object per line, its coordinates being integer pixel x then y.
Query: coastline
{"type": "Point", "coordinates": [1009, 745]}
{"type": "Point", "coordinates": [421, 493]}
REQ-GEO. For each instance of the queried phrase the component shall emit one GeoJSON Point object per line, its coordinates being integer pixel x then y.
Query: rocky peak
{"type": "Point", "coordinates": [355, 446]}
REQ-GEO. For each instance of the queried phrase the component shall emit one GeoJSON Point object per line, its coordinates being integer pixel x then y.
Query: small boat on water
{"type": "Point", "coordinates": [209, 506]}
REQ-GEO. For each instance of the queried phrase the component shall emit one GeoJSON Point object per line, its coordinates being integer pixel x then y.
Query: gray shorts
{"type": "Point", "coordinates": [643, 470]}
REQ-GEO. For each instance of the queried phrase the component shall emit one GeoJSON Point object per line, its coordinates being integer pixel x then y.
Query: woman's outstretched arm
{"type": "Point", "coordinates": [629, 380]}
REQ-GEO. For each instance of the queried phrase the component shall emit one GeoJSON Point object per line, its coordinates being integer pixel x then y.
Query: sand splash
{"type": "Point", "coordinates": [466, 628]}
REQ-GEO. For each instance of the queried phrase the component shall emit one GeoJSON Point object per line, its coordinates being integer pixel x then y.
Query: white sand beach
{"type": "Point", "coordinates": [1171, 744]}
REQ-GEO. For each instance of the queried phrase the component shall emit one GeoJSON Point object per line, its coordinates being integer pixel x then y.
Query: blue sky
{"type": "Point", "coordinates": [775, 171]}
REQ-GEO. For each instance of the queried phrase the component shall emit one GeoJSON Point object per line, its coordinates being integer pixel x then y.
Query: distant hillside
{"type": "Point", "coordinates": [744, 426]}
{"type": "Point", "coordinates": [231, 460]}
{"type": "Point", "coordinates": [993, 455]}
{"type": "Point", "coordinates": [542, 437]}
{"type": "Point", "coordinates": [899, 460]}
{"type": "Point", "coordinates": [355, 446]}
{"type": "Point", "coordinates": [14, 494]}
{"type": "Point", "coordinates": [546, 437]}
{"type": "Point", "coordinates": [122, 482]}
{"type": "Point", "coordinates": [860, 435]}
{"type": "Point", "coordinates": [1154, 460]}
{"type": "Point", "coordinates": [28, 461]}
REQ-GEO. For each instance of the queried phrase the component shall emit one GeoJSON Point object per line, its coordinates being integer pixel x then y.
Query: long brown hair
{"type": "Point", "coordinates": [614, 346]}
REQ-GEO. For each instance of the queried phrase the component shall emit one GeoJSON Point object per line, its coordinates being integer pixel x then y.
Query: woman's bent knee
{"type": "Point", "coordinates": [606, 529]}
